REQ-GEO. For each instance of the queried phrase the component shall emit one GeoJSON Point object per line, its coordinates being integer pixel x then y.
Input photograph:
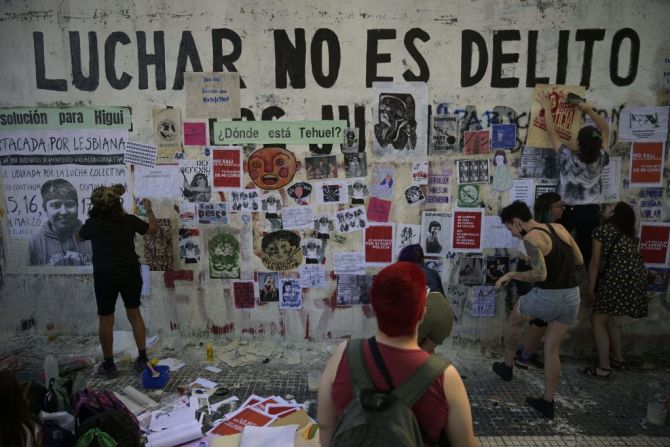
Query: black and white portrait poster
{"type": "Point", "coordinates": [196, 185]}
{"type": "Point", "coordinates": [353, 290]}
{"type": "Point", "coordinates": [290, 294]}
{"type": "Point", "coordinates": [355, 165]}
{"type": "Point", "coordinates": [358, 190]}
{"type": "Point", "coordinates": [473, 171]}
{"type": "Point", "coordinates": [351, 141]}
{"type": "Point", "coordinates": [537, 162]}
{"type": "Point", "coordinates": [400, 120]}
{"type": "Point", "coordinates": [445, 135]}
{"type": "Point", "coordinates": [435, 232]}
{"type": "Point", "coordinates": [313, 250]}
{"type": "Point", "coordinates": [414, 196]}
{"type": "Point", "coordinates": [496, 266]}
{"type": "Point", "coordinates": [406, 234]}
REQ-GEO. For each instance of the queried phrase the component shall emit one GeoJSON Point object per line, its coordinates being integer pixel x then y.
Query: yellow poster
{"type": "Point", "coordinates": [567, 117]}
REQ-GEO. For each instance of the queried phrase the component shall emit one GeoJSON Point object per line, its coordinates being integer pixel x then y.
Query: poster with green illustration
{"type": "Point", "coordinates": [468, 196]}
{"type": "Point", "coordinates": [224, 254]}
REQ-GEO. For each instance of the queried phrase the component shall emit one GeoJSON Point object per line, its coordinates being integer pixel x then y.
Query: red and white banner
{"type": "Point", "coordinates": [226, 168]}
{"type": "Point", "coordinates": [654, 239]}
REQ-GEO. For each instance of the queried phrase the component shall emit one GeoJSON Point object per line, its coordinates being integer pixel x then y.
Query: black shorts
{"type": "Point", "coordinates": [109, 282]}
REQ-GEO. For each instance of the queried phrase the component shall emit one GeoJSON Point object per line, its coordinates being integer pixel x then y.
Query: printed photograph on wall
{"type": "Point", "coordinates": [158, 248]}
{"type": "Point", "coordinates": [291, 294]}
{"type": "Point", "coordinates": [268, 286]}
{"type": "Point", "coordinates": [381, 183]}
{"type": "Point", "coordinates": [435, 231]}
{"type": "Point", "coordinates": [471, 271]}
{"type": "Point", "coordinates": [300, 192]}
{"type": "Point", "coordinates": [400, 115]}
{"type": "Point", "coordinates": [406, 234]}
{"type": "Point", "coordinates": [272, 167]}
{"type": "Point", "coordinates": [313, 250]}
{"type": "Point", "coordinates": [280, 250]}
{"type": "Point", "coordinates": [476, 142]}
{"type": "Point", "coordinates": [473, 171]}
{"type": "Point", "coordinates": [353, 290]}
{"type": "Point", "coordinates": [196, 184]}
{"type": "Point", "coordinates": [496, 266]}
{"type": "Point", "coordinates": [355, 165]}
{"type": "Point", "coordinates": [358, 190]}
{"type": "Point", "coordinates": [351, 141]}
{"type": "Point", "coordinates": [189, 245]}
{"type": "Point", "coordinates": [445, 135]}
{"type": "Point", "coordinates": [537, 162]}
{"type": "Point", "coordinates": [321, 167]}
{"type": "Point", "coordinates": [223, 248]}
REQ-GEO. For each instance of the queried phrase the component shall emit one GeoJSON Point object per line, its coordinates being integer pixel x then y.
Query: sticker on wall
{"type": "Point", "coordinates": [382, 181]}
{"type": "Point", "coordinates": [406, 234]}
{"type": "Point", "coordinates": [243, 294]}
{"type": "Point", "coordinates": [268, 287]}
{"type": "Point", "coordinates": [332, 192]}
{"type": "Point", "coordinates": [502, 179]}
{"type": "Point", "coordinates": [352, 219]}
{"type": "Point", "coordinates": [212, 213]}
{"type": "Point", "coordinates": [399, 120]}
{"type": "Point", "coordinates": [300, 192]}
{"type": "Point", "coordinates": [324, 225]}
{"type": "Point", "coordinates": [313, 250]}
{"type": "Point", "coordinates": [468, 196]}
{"type": "Point", "coordinates": [538, 162]}
{"type": "Point", "coordinates": [503, 136]}
{"type": "Point", "coordinates": [355, 165]}
{"type": "Point", "coordinates": [167, 131]}
{"type": "Point", "coordinates": [280, 250]}
{"type": "Point", "coordinates": [351, 141]}
{"type": "Point", "coordinates": [291, 294]}
{"type": "Point", "coordinates": [245, 200]}
{"type": "Point", "coordinates": [272, 167]}
{"type": "Point", "coordinates": [420, 172]}
{"type": "Point", "coordinates": [473, 171]}
{"type": "Point", "coordinates": [358, 190]}
{"type": "Point", "coordinates": [353, 290]}
{"type": "Point", "coordinates": [223, 249]}
{"type": "Point", "coordinates": [321, 167]}
{"type": "Point", "coordinates": [472, 271]}
{"type": "Point", "coordinates": [189, 245]}
{"type": "Point", "coordinates": [196, 185]}
{"type": "Point", "coordinates": [414, 196]}
{"type": "Point", "coordinates": [445, 135]}
{"type": "Point", "coordinates": [476, 142]}
{"type": "Point", "coordinates": [158, 248]}
{"type": "Point", "coordinates": [435, 230]}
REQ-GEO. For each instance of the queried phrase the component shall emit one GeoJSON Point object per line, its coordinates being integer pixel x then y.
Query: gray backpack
{"type": "Point", "coordinates": [378, 419]}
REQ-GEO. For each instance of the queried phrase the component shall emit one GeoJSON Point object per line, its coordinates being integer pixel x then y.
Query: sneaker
{"type": "Point", "coordinates": [108, 371]}
{"type": "Point", "coordinates": [505, 372]}
{"type": "Point", "coordinates": [542, 406]}
{"type": "Point", "coordinates": [140, 364]}
{"type": "Point", "coordinates": [533, 361]}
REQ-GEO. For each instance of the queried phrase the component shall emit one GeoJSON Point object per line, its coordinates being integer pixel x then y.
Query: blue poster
{"type": "Point", "coordinates": [503, 136]}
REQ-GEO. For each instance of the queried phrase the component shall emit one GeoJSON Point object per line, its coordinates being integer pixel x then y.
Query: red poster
{"type": "Point", "coordinates": [646, 166]}
{"type": "Point", "coordinates": [243, 294]}
{"type": "Point", "coordinates": [378, 244]}
{"type": "Point", "coordinates": [226, 168]}
{"type": "Point", "coordinates": [378, 209]}
{"type": "Point", "coordinates": [245, 417]}
{"type": "Point", "coordinates": [654, 239]}
{"type": "Point", "coordinates": [195, 134]}
{"type": "Point", "coordinates": [467, 231]}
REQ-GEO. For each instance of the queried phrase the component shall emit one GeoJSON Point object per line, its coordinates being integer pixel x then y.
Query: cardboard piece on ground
{"type": "Point", "coordinates": [300, 417]}
{"type": "Point", "coordinates": [226, 441]}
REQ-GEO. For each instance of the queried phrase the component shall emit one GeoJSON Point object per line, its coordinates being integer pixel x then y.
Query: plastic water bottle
{"type": "Point", "coordinates": [50, 368]}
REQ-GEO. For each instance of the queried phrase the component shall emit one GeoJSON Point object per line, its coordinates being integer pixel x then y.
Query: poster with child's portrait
{"type": "Point", "coordinates": [280, 250]}
{"type": "Point", "coordinates": [291, 294]}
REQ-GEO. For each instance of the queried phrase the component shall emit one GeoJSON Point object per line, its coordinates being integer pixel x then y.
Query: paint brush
{"type": "Point", "coordinates": [154, 373]}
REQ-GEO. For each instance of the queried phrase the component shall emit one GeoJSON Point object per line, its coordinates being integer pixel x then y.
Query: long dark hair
{"type": "Point", "coordinates": [543, 204]}
{"type": "Point", "coordinates": [17, 423]}
{"type": "Point", "coordinates": [590, 141]}
{"type": "Point", "coordinates": [623, 219]}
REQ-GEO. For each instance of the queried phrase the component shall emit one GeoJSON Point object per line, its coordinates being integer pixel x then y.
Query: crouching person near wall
{"type": "Point", "coordinates": [116, 268]}
{"type": "Point", "coordinates": [389, 360]}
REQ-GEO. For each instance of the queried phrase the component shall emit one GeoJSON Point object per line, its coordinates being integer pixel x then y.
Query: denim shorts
{"type": "Point", "coordinates": [560, 305]}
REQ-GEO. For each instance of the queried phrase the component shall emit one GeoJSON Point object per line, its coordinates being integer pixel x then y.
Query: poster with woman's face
{"type": "Point", "coordinates": [268, 287]}
{"type": "Point", "coordinates": [196, 186]}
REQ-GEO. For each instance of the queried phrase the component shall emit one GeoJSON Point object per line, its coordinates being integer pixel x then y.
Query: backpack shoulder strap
{"type": "Point", "coordinates": [413, 388]}
{"type": "Point", "coordinates": [358, 371]}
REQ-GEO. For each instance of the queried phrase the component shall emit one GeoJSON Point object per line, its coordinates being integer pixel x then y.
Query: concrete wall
{"type": "Point", "coordinates": [619, 50]}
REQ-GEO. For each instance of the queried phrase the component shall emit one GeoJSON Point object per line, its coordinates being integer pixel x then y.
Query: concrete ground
{"type": "Point", "coordinates": [589, 412]}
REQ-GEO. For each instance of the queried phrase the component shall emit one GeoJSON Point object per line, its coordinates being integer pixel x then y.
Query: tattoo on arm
{"type": "Point", "coordinates": [539, 268]}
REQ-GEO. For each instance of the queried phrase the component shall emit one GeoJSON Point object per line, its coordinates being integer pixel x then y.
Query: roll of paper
{"type": "Point", "coordinates": [175, 435]}
{"type": "Point", "coordinates": [139, 397]}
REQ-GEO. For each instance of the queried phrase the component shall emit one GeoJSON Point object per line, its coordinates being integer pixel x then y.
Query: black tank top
{"type": "Point", "coordinates": [560, 262]}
